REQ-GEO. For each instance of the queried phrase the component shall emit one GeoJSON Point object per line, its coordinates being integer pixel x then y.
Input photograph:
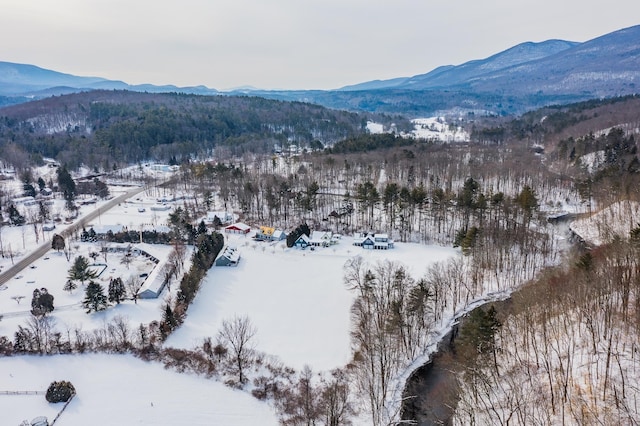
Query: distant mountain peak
{"type": "Point", "coordinates": [30, 80]}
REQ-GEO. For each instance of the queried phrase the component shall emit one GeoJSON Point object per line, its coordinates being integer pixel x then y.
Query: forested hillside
{"type": "Point", "coordinates": [564, 351]}
{"type": "Point", "coordinates": [549, 125]}
{"type": "Point", "coordinates": [103, 128]}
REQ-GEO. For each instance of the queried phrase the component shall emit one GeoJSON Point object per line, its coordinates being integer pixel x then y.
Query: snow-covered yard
{"type": "Point", "coordinates": [123, 390]}
{"type": "Point", "coordinates": [51, 272]}
{"type": "Point", "coordinates": [436, 128]}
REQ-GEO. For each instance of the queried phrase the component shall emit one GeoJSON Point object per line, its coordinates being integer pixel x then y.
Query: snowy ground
{"type": "Point", "coordinates": [51, 272]}
{"type": "Point", "coordinates": [123, 390]}
{"type": "Point", "coordinates": [296, 298]}
{"type": "Point", "coordinates": [375, 128]}
{"type": "Point", "coordinates": [432, 128]}
{"type": "Point", "coordinates": [435, 128]}
{"type": "Point", "coordinates": [616, 220]}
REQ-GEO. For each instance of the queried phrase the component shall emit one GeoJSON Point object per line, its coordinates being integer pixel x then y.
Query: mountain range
{"type": "Point", "coordinates": [518, 79]}
{"type": "Point", "coordinates": [23, 80]}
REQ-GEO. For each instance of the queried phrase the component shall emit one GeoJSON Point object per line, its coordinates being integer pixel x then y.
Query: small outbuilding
{"type": "Point", "coordinates": [278, 235]}
{"type": "Point", "coordinates": [238, 228]}
{"type": "Point", "coordinates": [153, 284]}
{"type": "Point", "coordinates": [230, 256]}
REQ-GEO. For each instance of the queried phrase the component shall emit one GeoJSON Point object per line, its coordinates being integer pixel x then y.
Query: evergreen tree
{"type": "Point", "coordinates": [70, 285]}
{"type": "Point", "coordinates": [477, 335]}
{"type": "Point", "coordinates": [80, 270]}
{"type": "Point", "coordinates": [14, 216]}
{"type": "Point", "coordinates": [169, 317]}
{"type": "Point", "coordinates": [41, 303]}
{"type": "Point", "coordinates": [60, 392]}
{"type": "Point", "coordinates": [469, 190]}
{"type": "Point", "coordinates": [66, 185]}
{"type": "Point", "coordinates": [368, 196]}
{"type": "Point", "coordinates": [28, 190]}
{"type": "Point", "coordinates": [466, 239]}
{"type": "Point", "coordinates": [117, 291]}
{"type": "Point", "coordinates": [57, 242]}
{"type": "Point", "coordinates": [95, 299]}
{"type": "Point", "coordinates": [585, 262]}
{"type": "Point", "coordinates": [528, 201]}
{"type": "Point", "coordinates": [41, 184]}
{"type": "Point", "coordinates": [202, 228]}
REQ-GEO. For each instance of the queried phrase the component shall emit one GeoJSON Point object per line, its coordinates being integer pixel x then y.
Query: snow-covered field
{"type": "Point", "coordinates": [123, 390]}
{"type": "Point", "coordinates": [431, 128]}
{"type": "Point", "coordinates": [296, 298]}
{"type": "Point", "coordinates": [436, 128]}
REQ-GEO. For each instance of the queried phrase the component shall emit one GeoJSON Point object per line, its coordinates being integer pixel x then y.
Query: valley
{"type": "Point", "coordinates": [297, 264]}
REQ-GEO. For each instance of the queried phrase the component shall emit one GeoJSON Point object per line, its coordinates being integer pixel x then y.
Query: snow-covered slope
{"type": "Point", "coordinates": [617, 220]}
{"type": "Point", "coordinates": [107, 395]}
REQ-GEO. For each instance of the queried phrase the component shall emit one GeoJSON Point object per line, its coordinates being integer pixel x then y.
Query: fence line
{"type": "Point", "coordinates": [16, 314]}
{"type": "Point", "coordinates": [22, 392]}
{"type": "Point", "coordinates": [62, 411]}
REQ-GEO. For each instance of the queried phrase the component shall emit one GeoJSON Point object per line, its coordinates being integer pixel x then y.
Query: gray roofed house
{"type": "Point", "coordinates": [230, 256]}
{"type": "Point", "coordinates": [153, 285]}
{"type": "Point", "coordinates": [279, 235]}
{"type": "Point", "coordinates": [320, 238]}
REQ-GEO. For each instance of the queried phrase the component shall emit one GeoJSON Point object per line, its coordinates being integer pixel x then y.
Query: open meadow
{"type": "Point", "coordinates": [296, 299]}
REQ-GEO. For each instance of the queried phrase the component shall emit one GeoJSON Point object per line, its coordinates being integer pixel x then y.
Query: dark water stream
{"type": "Point", "coordinates": [431, 392]}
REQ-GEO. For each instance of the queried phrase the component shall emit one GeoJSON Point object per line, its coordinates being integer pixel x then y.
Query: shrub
{"type": "Point", "coordinates": [60, 391]}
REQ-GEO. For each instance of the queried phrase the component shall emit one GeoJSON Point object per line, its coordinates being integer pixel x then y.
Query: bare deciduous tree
{"type": "Point", "coordinates": [238, 335]}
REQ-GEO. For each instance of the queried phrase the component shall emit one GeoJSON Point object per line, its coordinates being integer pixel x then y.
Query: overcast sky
{"type": "Point", "coordinates": [286, 44]}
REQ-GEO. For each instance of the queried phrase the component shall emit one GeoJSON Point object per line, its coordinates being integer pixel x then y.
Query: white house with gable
{"type": "Point", "coordinates": [320, 238]}
{"type": "Point", "coordinates": [373, 241]}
